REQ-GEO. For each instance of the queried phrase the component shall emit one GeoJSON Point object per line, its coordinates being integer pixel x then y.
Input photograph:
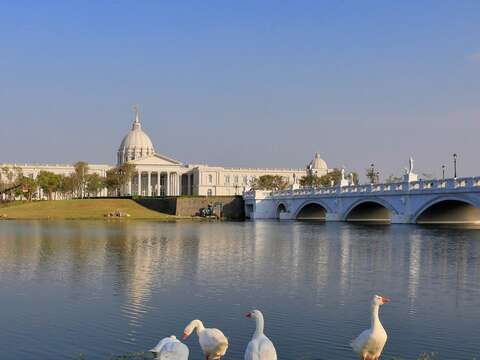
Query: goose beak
{"type": "Point", "coordinates": [185, 335]}
{"type": "Point", "coordinates": [385, 300]}
{"type": "Point", "coordinates": [248, 315]}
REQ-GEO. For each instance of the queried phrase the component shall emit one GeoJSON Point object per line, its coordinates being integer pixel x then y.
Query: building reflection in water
{"type": "Point", "coordinates": [122, 284]}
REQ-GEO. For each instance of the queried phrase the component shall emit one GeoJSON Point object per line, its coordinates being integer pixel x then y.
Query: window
{"type": "Point", "coordinates": [209, 192]}
{"type": "Point", "coordinates": [210, 179]}
{"type": "Point", "coordinates": [245, 180]}
{"type": "Point", "coordinates": [235, 179]}
{"type": "Point", "coordinates": [227, 179]}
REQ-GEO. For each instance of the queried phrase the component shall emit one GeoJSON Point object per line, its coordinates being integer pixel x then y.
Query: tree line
{"type": "Point", "coordinates": [277, 182]}
{"type": "Point", "coordinates": [80, 183]}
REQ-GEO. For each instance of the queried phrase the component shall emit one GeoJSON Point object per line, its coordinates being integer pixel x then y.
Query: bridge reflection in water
{"type": "Point", "coordinates": [424, 202]}
{"type": "Point", "coordinates": [102, 288]}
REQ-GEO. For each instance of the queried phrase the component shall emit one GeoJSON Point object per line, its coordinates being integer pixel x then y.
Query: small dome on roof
{"type": "Point", "coordinates": [318, 163]}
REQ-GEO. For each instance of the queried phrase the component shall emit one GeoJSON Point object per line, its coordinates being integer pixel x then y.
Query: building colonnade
{"type": "Point", "coordinates": [159, 183]}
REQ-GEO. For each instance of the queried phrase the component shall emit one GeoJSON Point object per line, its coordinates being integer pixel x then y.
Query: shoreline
{"type": "Point", "coordinates": [88, 209]}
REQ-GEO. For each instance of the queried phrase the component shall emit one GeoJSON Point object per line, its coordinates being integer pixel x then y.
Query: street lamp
{"type": "Point", "coordinates": [443, 172]}
{"type": "Point", "coordinates": [454, 166]}
{"type": "Point", "coordinates": [372, 172]}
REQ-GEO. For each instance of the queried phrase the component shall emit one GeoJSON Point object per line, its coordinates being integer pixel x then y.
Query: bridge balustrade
{"type": "Point", "coordinates": [419, 185]}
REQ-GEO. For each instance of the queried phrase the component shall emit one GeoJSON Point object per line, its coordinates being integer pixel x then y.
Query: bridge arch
{"type": "Point", "coordinates": [449, 210]}
{"type": "Point", "coordinates": [312, 210]}
{"type": "Point", "coordinates": [281, 207]}
{"type": "Point", "coordinates": [370, 210]}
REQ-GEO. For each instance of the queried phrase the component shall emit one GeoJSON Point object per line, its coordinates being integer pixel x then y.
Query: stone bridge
{"type": "Point", "coordinates": [423, 201]}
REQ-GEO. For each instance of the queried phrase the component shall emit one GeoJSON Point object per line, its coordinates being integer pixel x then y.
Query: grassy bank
{"type": "Point", "coordinates": [79, 209]}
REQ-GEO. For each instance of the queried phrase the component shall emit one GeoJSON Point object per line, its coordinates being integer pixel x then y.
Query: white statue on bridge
{"type": "Point", "coordinates": [343, 180]}
{"type": "Point", "coordinates": [409, 174]}
{"type": "Point", "coordinates": [409, 170]}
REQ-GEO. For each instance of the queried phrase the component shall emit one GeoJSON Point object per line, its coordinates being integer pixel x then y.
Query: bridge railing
{"type": "Point", "coordinates": [387, 188]}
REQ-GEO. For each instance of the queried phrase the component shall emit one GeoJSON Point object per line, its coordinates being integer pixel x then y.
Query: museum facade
{"type": "Point", "coordinates": [160, 175]}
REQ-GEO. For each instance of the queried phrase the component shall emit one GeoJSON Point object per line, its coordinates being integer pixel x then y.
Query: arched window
{"type": "Point", "coordinates": [210, 179]}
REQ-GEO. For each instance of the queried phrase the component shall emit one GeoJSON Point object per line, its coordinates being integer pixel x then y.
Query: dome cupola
{"type": "Point", "coordinates": [317, 166]}
{"type": "Point", "coordinates": [136, 144]}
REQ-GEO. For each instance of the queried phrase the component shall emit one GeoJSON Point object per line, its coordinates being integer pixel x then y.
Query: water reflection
{"type": "Point", "coordinates": [107, 288]}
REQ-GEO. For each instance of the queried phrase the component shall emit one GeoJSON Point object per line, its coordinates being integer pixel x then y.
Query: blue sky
{"type": "Point", "coordinates": [244, 83]}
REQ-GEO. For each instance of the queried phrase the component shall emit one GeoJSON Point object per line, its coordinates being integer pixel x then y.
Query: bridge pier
{"type": "Point", "coordinates": [333, 217]}
{"type": "Point", "coordinates": [401, 219]}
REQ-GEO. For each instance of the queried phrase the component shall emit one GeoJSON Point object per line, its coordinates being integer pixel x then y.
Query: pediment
{"type": "Point", "coordinates": [156, 159]}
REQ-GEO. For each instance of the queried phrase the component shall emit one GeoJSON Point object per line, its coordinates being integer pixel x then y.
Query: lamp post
{"type": "Point", "coordinates": [378, 177]}
{"type": "Point", "coordinates": [372, 172]}
{"type": "Point", "coordinates": [455, 166]}
{"type": "Point", "coordinates": [443, 172]}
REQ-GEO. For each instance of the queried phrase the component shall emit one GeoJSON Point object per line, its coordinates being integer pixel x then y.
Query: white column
{"type": "Point", "coordinates": [171, 185]}
{"type": "Point", "coordinates": [167, 184]}
{"type": "Point", "coordinates": [130, 186]}
{"type": "Point", "coordinates": [139, 183]}
{"type": "Point", "coordinates": [149, 183]}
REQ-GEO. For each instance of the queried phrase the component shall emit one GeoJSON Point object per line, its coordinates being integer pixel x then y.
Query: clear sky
{"type": "Point", "coordinates": [244, 83]}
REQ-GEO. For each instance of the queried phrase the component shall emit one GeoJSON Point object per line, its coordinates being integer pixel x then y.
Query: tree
{"type": "Point", "coordinates": [372, 175]}
{"type": "Point", "coordinates": [67, 185]}
{"type": "Point", "coordinates": [331, 178]}
{"type": "Point", "coordinates": [7, 174]}
{"type": "Point", "coordinates": [269, 182]}
{"type": "Point", "coordinates": [310, 180]}
{"type": "Point", "coordinates": [126, 171]}
{"type": "Point", "coordinates": [81, 171]}
{"type": "Point", "coordinates": [112, 181]}
{"type": "Point", "coordinates": [11, 179]}
{"type": "Point", "coordinates": [95, 183]}
{"type": "Point", "coordinates": [27, 188]}
{"type": "Point", "coordinates": [119, 177]}
{"type": "Point", "coordinates": [393, 179]}
{"type": "Point", "coordinates": [48, 182]}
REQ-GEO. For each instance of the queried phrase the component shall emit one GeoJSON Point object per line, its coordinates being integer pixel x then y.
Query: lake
{"type": "Point", "coordinates": [109, 288]}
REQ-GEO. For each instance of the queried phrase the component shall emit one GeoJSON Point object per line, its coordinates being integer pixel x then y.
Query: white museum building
{"type": "Point", "coordinates": [160, 175]}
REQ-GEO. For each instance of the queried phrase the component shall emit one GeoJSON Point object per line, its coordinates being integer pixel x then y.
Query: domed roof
{"type": "Point", "coordinates": [318, 163]}
{"type": "Point", "coordinates": [136, 139]}
{"type": "Point", "coordinates": [136, 143]}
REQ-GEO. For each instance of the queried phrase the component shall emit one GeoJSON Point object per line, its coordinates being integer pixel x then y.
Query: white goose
{"type": "Point", "coordinates": [170, 348]}
{"type": "Point", "coordinates": [260, 347]}
{"type": "Point", "coordinates": [212, 341]}
{"type": "Point", "coordinates": [369, 344]}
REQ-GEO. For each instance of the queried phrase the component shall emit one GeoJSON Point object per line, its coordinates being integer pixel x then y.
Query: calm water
{"type": "Point", "coordinates": [103, 289]}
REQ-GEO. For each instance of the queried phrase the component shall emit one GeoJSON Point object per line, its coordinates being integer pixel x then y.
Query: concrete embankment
{"type": "Point", "coordinates": [230, 207]}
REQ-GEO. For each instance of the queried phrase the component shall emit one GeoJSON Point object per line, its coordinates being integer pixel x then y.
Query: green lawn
{"type": "Point", "coordinates": [79, 209]}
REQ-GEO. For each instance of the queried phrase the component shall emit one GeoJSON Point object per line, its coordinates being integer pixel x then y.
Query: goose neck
{"type": "Point", "coordinates": [199, 326]}
{"type": "Point", "coordinates": [259, 326]}
{"type": "Point", "coordinates": [375, 318]}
